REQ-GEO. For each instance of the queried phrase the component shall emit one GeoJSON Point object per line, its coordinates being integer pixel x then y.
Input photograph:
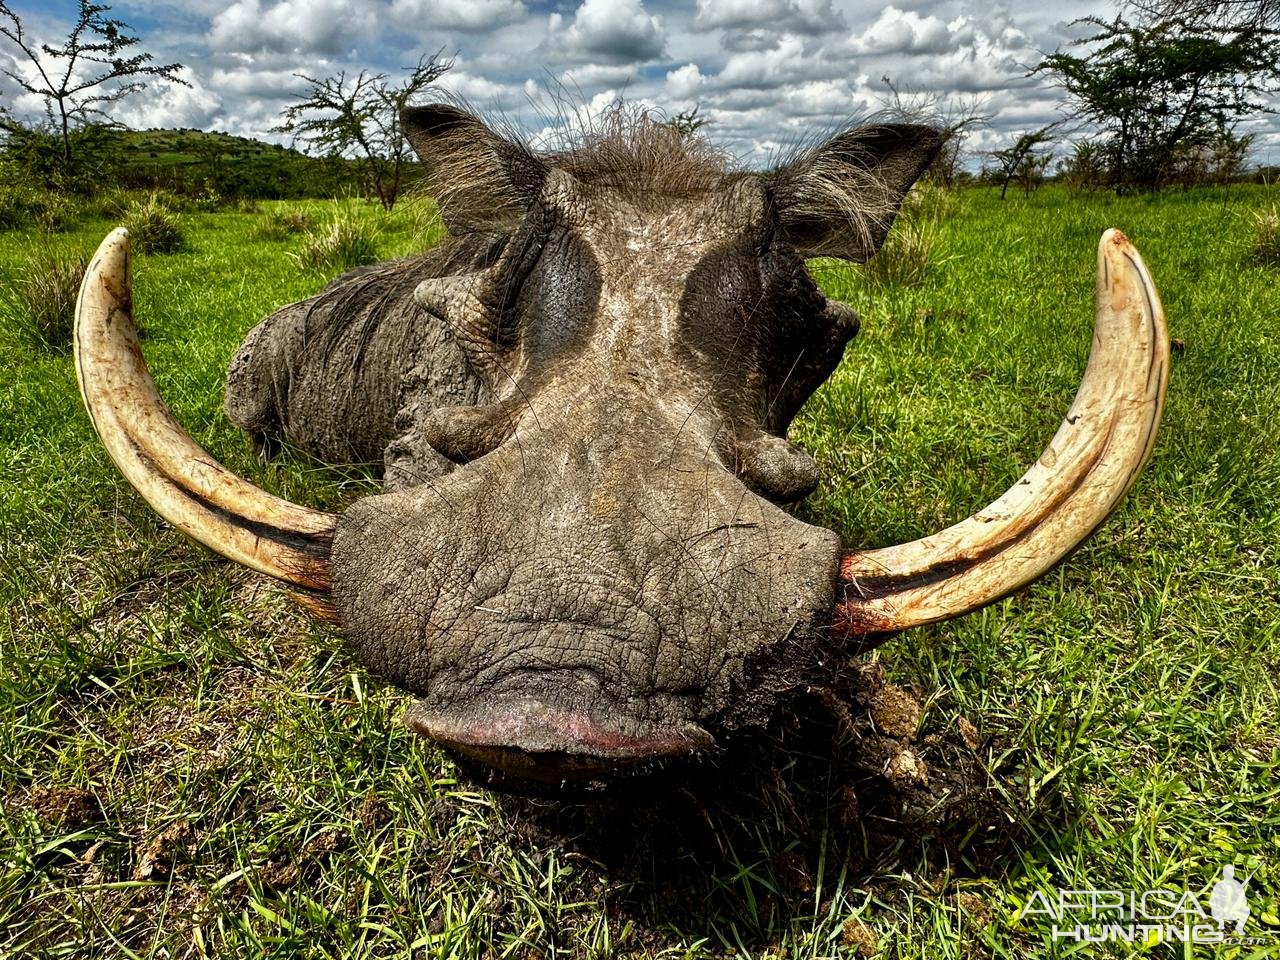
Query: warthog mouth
{"type": "Point", "coordinates": [528, 738]}
{"type": "Point", "coordinates": [1081, 477]}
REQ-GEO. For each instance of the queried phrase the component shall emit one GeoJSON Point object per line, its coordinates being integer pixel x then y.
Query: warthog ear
{"type": "Point", "coordinates": [482, 180]}
{"type": "Point", "coordinates": [839, 199]}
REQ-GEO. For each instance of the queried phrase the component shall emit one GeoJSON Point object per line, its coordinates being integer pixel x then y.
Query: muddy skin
{"type": "Point", "coordinates": [332, 373]}
{"type": "Point", "coordinates": [581, 561]}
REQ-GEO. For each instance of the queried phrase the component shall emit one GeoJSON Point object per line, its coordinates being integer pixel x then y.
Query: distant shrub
{"type": "Point", "coordinates": [908, 253]}
{"type": "Point", "coordinates": [172, 200]}
{"type": "Point", "coordinates": [1085, 167]}
{"type": "Point", "coordinates": [1265, 244]}
{"type": "Point", "coordinates": [110, 204]}
{"type": "Point", "coordinates": [56, 215]}
{"type": "Point", "coordinates": [38, 153]}
{"type": "Point", "coordinates": [27, 207]}
{"type": "Point", "coordinates": [906, 256]}
{"type": "Point", "coordinates": [153, 227]}
{"type": "Point", "coordinates": [244, 205]}
{"type": "Point", "coordinates": [1220, 160]}
{"type": "Point", "coordinates": [931, 201]}
{"type": "Point", "coordinates": [283, 224]}
{"type": "Point", "coordinates": [342, 242]}
{"type": "Point", "coordinates": [39, 304]}
{"type": "Point", "coordinates": [206, 201]}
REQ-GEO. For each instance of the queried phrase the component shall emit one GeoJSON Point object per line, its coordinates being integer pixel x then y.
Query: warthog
{"type": "Point", "coordinates": [580, 401]}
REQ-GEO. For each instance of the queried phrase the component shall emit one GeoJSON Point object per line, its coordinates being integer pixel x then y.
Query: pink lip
{"type": "Point", "coordinates": [524, 735]}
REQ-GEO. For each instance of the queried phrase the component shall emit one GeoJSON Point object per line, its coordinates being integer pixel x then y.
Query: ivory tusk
{"type": "Point", "coordinates": [1081, 477]}
{"type": "Point", "coordinates": [173, 474]}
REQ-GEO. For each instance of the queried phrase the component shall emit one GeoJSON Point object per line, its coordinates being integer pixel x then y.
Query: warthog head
{"type": "Point", "coordinates": [595, 567]}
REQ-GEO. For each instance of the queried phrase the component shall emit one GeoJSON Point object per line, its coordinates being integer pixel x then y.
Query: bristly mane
{"type": "Point", "coordinates": [633, 151]}
{"type": "Point", "coordinates": [628, 149]}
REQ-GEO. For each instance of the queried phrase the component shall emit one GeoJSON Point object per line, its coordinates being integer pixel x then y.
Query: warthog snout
{"type": "Point", "coordinates": [599, 587]}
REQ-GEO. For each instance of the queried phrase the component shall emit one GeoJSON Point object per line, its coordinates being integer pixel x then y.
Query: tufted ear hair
{"type": "Point", "coordinates": [839, 199]}
{"type": "Point", "coordinates": [481, 179]}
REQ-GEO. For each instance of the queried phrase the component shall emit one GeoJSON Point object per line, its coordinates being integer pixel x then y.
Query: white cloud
{"type": "Point", "coordinates": [608, 31]}
{"type": "Point", "coordinates": [11, 94]}
{"type": "Point", "coordinates": [464, 15]}
{"type": "Point", "coordinates": [985, 55]}
{"type": "Point", "coordinates": [824, 99]}
{"type": "Point", "coordinates": [332, 27]}
{"type": "Point", "coordinates": [252, 81]}
{"type": "Point", "coordinates": [171, 105]}
{"type": "Point", "coordinates": [482, 93]}
{"type": "Point", "coordinates": [791, 61]}
{"type": "Point", "coordinates": [591, 77]}
{"type": "Point", "coordinates": [904, 31]}
{"type": "Point", "coordinates": [684, 82]}
{"type": "Point", "coordinates": [8, 88]}
{"type": "Point", "coordinates": [796, 16]}
{"type": "Point", "coordinates": [765, 72]}
{"type": "Point", "coordinates": [741, 41]}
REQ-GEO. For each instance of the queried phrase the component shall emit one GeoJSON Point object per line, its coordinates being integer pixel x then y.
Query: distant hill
{"type": "Point", "coordinates": [188, 146]}
{"type": "Point", "coordinates": [188, 161]}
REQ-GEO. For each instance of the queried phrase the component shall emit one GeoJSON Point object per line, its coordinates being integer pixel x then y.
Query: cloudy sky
{"type": "Point", "coordinates": [764, 72]}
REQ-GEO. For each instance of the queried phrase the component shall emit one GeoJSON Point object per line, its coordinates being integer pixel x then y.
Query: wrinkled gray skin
{"type": "Point", "coordinates": [579, 561]}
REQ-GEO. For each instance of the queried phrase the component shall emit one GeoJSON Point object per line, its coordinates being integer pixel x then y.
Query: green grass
{"type": "Point", "coordinates": [153, 227]}
{"type": "Point", "coordinates": [1266, 237]}
{"type": "Point", "coordinates": [38, 305]}
{"type": "Point", "coordinates": [345, 240]}
{"type": "Point", "coordinates": [189, 767]}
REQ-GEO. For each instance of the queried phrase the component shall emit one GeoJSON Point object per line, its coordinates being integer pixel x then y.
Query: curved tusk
{"type": "Point", "coordinates": [173, 474]}
{"type": "Point", "coordinates": [1080, 478]}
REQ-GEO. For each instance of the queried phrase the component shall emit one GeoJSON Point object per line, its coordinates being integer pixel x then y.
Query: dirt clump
{"type": "Point", "coordinates": [895, 712]}
{"type": "Point", "coordinates": [860, 938]}
{"type": "Point", "coordinates": [978, 910]}
{"type": "Point", "coordinates": [68, 807]}
{"type": "Point", "coordinates": [166, 850]}
{"type": "Point", "coordinates": [285, 870]}
{"type": "Point", "coordinates": [373, 812]}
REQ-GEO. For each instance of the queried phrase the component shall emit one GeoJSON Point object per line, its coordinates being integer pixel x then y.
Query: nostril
{"type": "Point", "coordinates": [776, 469]}
{"type": "Point", "coordinates": [464, 433]}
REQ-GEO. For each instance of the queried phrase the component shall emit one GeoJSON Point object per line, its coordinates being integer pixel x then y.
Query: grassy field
{"type": "Point", "coordinates": [189, 767]}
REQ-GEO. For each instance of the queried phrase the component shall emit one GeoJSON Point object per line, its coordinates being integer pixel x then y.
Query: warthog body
{"type": "Point", "coordinates": [581, 559]}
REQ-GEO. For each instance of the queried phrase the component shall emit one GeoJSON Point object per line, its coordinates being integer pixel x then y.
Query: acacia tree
{"type": "Point", "coordinates": [1162, 91]}
{"type": "Point", "coordinates": [1225, 14]}
{"type": "Point", "coordinates": [360, 116]}
{"type": "Point", "coordinates": [1019, 161]}
{"type": "Point", "coordinates": [95, 65]}
{"type": "Point", "coordinates": [687, 122]}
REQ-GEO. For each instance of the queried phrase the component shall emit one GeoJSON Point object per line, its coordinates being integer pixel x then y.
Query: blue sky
{"type": "Point", "coordinates": [764, 72]}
